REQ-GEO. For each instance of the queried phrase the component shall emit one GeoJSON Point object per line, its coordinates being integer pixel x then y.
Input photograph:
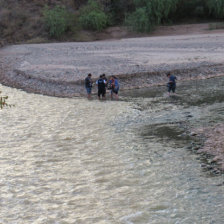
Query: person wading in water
{"type": "Point", "coordinates": [101, 83]}
{"type": "Point", "coordinates": [171, 85]}
{"type": "Point", "coordinates": [106, 82]}
{"type": "Point", "coordinates": [88, 85]}
{"type": "Point", "coordinates": [114, 86]}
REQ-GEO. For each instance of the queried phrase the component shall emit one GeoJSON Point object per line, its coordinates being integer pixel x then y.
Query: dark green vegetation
{"type": "Point", "coordinates": [3, 101]}
{"type": "Point", "coordinates": [39, 20]}
{"type": "Point", "coordinates": [57, 20]}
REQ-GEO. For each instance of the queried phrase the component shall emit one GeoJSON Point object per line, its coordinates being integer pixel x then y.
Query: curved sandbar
{"type": "Point", "coordinates": [58, 69]}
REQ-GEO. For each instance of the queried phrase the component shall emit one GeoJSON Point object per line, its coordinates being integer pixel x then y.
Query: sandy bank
{"type": "Point", "coordinates": [59, 69]}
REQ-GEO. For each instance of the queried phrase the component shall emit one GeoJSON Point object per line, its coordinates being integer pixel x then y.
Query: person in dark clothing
{"type": "Point", "coordinates": [101, 83]}
{"type": "Point", "coordinates": [88, 85]}
{"type": "Point", "coordinates": [105, 78]}
{"type": "Point", "coordinates": [171, 85]}
{"type": "Point", "coordinates": [106, 82]}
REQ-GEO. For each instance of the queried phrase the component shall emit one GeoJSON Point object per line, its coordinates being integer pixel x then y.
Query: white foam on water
{"type": "Point", "coordinates": [126, 219]}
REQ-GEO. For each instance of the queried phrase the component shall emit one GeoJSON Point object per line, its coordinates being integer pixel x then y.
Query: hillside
{"type": "Point", "coordinates": [29, 21]}
{"type": "Point", "coordinates": [23, 20]}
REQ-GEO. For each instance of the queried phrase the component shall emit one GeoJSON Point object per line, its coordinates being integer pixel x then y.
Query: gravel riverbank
{"type": "Point", "coordinates": [214, 144]}
{"type": "Point", "coordinates": [58, 69]}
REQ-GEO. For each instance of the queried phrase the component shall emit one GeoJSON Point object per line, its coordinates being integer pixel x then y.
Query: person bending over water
{"type": "Point", "coordinates": [114, 85]}
{"type": "Point", "coordinates": [171, 85]}
{"type": "Point", "coordinates": [101, 83]}
{"type": "Point", "coordinates": [88, 85]}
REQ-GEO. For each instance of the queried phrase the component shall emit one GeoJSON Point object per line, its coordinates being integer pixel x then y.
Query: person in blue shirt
{"type": "Point", "coordinates": [171, 85]}
{"type": "Point", "coordinates": [114, 86]}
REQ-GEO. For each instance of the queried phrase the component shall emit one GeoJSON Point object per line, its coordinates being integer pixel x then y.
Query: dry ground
{"type": "Point", "coordinates": [59, 68]}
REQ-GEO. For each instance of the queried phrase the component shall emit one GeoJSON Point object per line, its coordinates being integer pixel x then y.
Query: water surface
{"type": "Point", "coordinates": [79, 161]}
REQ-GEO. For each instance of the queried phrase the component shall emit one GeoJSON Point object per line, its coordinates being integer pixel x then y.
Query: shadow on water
{"type": "Point", "coordinates": [173, 135]}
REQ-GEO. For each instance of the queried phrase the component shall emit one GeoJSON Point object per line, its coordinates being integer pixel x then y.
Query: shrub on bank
{"type": "Point", "coordinates": [57, 21]}
{"type": "Point", "coordinates": [92, 16]}
{"type": "Point", "coordinates": [148, 14]}
{"type": "Point", "coordinates": [139, 20]}
{"type": "Point", "coordinates": [3, 101]}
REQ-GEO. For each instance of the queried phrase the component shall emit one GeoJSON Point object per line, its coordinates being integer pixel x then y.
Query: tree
{"type": "Point", "coordinates": [153, 12]}
{"type": "Point", "coordinates": [216, 8]}
{"type": "Point", "coordinates": [57, 21]}
{"type": "Point", "coordinates": [92, 16]}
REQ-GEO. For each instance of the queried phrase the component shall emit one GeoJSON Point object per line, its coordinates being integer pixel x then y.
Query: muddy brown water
{"type": "Point", "coordinates": [79, 161]}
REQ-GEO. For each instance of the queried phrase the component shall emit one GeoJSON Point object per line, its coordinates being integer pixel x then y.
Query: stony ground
{"type": "Point", "coordinates": [59, 68]}
{"type": "Point", "coordinates": [214, 144]}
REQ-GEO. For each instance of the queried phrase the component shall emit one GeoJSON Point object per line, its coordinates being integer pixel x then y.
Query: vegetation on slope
{"type": "Point", "coordinates": [3, 101]}
{"type": "Point", "coordinates": [38, 20]}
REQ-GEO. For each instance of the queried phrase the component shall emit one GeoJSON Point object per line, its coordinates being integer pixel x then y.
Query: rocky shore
{"type": "Point", "coordinates": [213, 144]}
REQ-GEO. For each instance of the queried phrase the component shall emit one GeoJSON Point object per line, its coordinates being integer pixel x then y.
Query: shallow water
{"type": "Point", "coordinates": [78, 161]}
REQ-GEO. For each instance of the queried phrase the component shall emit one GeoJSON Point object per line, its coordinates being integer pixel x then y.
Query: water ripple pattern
{"type": "Point", "coordinates": [68, 161]}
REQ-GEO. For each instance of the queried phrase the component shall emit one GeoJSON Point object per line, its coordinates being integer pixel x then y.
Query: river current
{"type": "Point", "coordinates": [78, 161]}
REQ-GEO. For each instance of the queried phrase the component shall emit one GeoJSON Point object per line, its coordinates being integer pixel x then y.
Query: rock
{"type": "Point", "coordinates": [193, 134]}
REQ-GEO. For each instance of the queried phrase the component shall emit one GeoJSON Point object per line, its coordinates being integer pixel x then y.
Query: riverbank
{"type": "Point", "coordinates": [213, 144]}
{"type": "Point", "coordinates": [59, 69]}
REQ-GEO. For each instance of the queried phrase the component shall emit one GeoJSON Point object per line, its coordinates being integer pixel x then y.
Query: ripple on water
{"type": "Point", "coordinates": [79, 161]}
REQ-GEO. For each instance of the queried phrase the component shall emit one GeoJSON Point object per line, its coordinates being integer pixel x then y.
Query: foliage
{"type": "Point", "coordinates": [216, 8]}
{"type": "Point", "coordinates": [118, 9]}
{"type": "Point", "coordinates": [149, 13]}
{"type": "Point", "coordinates": [92, 16]}
{"type": "Point", "coordinates": [141, 15]}
{"type": "Point", "coordinates": [139, 20]}
{"type": "Point", "coordinates": [3, 101]}
{"type": "Point", "coordinates": [57, 21]}
{"type": "Point", "coordinates": [187, 9]}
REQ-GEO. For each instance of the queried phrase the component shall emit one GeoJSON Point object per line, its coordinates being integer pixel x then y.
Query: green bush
{"type": "Point", "coordinates": [139, 20]}
{"type": "Point", "coordinates": [57, 21]}
{"type": "Point", "coordinates": [92, 16]}
{"type": "Point", "coordinates": [3, 101]}
{"type": "Point", "coordinates": [149, 13]}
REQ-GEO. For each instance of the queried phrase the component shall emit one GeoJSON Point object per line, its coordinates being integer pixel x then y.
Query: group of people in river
{"type": "Point", "coordinates": [103, 84]}
{"type": "Point", "coordinates": [113, 85]}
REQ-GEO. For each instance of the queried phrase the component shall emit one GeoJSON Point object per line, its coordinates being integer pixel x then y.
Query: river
{"type": "Point", "coordinates": [78, 161]}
